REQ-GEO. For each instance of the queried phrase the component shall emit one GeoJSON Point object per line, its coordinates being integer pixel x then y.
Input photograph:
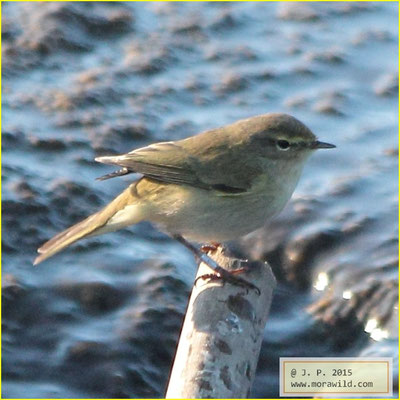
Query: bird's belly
{"type": "Point", "coordinates": [204, 216]}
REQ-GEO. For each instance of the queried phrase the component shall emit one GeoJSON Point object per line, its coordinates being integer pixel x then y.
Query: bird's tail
{"type": "Point", "coordinates": [124, 210]}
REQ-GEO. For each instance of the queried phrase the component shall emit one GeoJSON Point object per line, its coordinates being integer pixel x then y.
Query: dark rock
{"type": "Point", "coordinates": [94, 297]}
{"type": "Point", "coordinates": [23, 190]}
{"type": "Point", "coordinates": [47, 144]}
{"type": "Point", "coordinates": [387, 85]}
{"type": "Point", "coordinates": [298, 12]}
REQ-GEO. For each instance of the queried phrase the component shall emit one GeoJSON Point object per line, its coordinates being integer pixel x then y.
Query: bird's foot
{"type": "Point", "coordinates": [240, 270]}
{"type": "Point", "coordinates": [220, 273]}
{"type": "Point", "coordinates": [230, 278]}
{"type": "Point", "coordinates": [207, 248]}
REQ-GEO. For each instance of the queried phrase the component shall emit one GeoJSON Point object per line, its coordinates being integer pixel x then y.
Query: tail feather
{"type": "Point", "coordinates": [100, 222]}
{"type": "Point", "coordinates": [66, 238]}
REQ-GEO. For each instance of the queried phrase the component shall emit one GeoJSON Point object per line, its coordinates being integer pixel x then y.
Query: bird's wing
{"type": "Point", "coordinates": [174, 162]}
{"type": "Point", "coordinates": [120, 172]}
{"type": "Point", "coordinates": [161, 161]}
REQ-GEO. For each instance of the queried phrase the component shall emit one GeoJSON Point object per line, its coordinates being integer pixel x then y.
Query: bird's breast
{"type": "Point", "coordinates": [209, 216]}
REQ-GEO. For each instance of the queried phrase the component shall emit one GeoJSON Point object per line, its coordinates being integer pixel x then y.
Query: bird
{"type": "Point", "coordinates": [209, 188]}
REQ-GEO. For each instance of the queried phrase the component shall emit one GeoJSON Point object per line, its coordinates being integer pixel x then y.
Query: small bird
{"type": "Point", "coordinates": [209, 188]}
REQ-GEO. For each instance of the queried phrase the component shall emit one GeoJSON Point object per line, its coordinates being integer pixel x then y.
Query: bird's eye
{"type": "Point", "coordinates": [282, 144]}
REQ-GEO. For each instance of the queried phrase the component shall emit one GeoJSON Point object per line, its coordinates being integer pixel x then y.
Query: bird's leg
{"type": "Point", "coordinates": [221, 273]}
{"type": "Point", "coordinates": [213, 246]}
{"type": "Point", "coordinates": [240, 270]}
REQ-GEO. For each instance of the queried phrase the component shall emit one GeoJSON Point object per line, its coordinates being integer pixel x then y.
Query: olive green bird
{"type": "Point", "coordinates": [209, 188]}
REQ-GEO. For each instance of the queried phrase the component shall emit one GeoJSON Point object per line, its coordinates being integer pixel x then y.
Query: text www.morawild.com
{"type": "Point", "coordinates": [337, 384]}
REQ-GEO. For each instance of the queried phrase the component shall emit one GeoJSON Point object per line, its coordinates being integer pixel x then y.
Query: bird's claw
{"type": "Point", "coordinates": [206, 248]}
{"type": "Point", "coordinates": [228, 277]}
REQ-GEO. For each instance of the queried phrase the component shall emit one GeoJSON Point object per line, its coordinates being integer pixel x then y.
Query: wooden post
{"type": "Point", "coordinates": [222, 333]}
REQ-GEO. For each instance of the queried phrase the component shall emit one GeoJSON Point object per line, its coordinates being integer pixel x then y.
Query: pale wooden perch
{"type": "Point", "coordinates": [222, 333]}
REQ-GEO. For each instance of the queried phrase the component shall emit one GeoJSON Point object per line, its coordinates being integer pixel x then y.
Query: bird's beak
{"type": "Point", "coordinates": [322, 145]}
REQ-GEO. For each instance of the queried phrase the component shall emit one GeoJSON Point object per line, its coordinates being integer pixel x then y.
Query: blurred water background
{"type": "Point", "coordinates": [80, 80]}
